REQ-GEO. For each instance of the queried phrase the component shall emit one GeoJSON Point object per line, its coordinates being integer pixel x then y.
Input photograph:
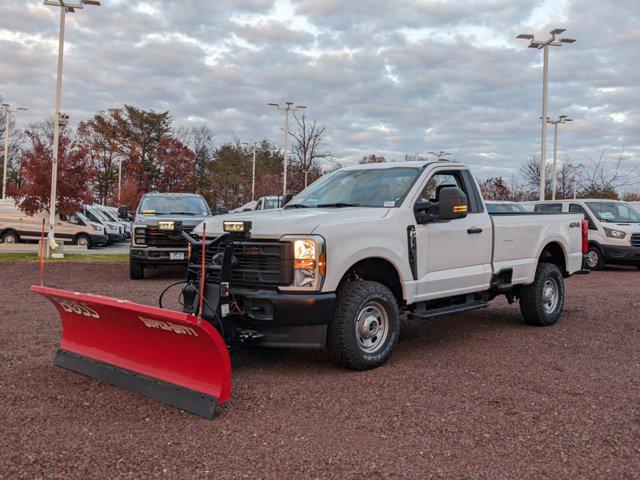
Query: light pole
{"type": "Point", "coordinates": [575, 178]}
{"type": "Point", "coordinates": [286, 107]}
{"type": "Point", "coordinates": [7, 111]}
{"type": "Point", "coordinates": [560, 119]}
{"type": "Point", "coordinates": [544, 45]}
{"type": "Point", "coordinates": [253, 170]}
{"type": "Point", "coordinates": [60, 119]}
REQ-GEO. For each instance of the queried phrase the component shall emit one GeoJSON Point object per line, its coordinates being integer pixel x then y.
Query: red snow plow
{"type": "Point", "coordinates": [167, 355]}
{"type": "Point", "coordinates": [180, 358]}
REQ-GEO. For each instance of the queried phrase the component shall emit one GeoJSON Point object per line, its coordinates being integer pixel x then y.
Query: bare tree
{"type": "Point", "coordinates": [308, 146]}
{"type": "Point", "coordinates": [603, 179]}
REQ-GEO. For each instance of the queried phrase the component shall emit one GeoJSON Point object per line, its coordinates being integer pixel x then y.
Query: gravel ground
{"type": "Point", "coordinates": [479, 395]}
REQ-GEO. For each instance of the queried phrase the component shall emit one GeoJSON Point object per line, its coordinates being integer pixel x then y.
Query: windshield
{"type": "Point", "coordinates": [615, 212]}
{"type": "Point", "coordinates": [173, 205]}
{"type": "Point", "coordinates": [111, 215]}
{"type": "Point", "coordinates": [97, 213]}
{"type": "Point", "coordinates": [373, 187]}
{"type": "Point", "coordinates": [505, 208]}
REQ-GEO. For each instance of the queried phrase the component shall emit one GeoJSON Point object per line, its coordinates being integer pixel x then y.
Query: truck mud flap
{"type": "Point", "coordinates": [163, 354]}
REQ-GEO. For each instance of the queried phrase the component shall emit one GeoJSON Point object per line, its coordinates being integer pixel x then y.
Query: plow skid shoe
{"type": "Point", "coordinates": [159, 353]}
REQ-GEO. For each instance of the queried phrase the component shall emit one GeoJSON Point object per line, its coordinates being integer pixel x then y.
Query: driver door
{"type": "Point", "coordinates": [453, 256]}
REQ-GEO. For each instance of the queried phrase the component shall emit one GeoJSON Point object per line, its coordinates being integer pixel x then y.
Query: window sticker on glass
{"type": "Point", "coordinates": [389, 203]}
{"type": "Point", "coordinates": [607, 215]}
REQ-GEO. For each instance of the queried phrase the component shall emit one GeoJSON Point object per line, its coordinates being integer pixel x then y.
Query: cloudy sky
{"type": "Point", "coordinates": [386, 76]}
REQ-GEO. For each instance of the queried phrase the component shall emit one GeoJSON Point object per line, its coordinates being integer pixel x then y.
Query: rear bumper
{"type": "Point", "coordinates": [621, 255]}
{"type": "Point", "coordinates": [283, 309]}
{"type": "Point", "coordinates": [158, 256]}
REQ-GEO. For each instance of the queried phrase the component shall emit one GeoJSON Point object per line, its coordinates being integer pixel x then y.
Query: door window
{"type": "Point", "coordinates": [548, 208]}
{"type": "Point", "coordinates": [452, 178]}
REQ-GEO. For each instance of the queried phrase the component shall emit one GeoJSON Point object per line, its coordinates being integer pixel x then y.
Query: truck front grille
{"type": "Point", "coordinates": [165, 238]}
{"type": "Point", "coordinates": [257, 263]}
{"type": "Point", "coordinates": [635, 239]}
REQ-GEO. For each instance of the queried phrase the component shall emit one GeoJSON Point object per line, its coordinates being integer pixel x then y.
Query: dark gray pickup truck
{"type": "Point", "coordinates": [153, 235]}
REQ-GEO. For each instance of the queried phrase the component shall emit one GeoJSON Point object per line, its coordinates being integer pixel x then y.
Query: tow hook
{"type": "Point", "coordinates": [248, 335]}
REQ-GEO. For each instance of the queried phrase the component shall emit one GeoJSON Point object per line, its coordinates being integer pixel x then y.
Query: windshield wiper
{"type": "Point", "coordinates": [296, 205]}
{"type": "Point", "coordinates": [338, 205]}
{"type": "Point", "coordinates": [181, 213]}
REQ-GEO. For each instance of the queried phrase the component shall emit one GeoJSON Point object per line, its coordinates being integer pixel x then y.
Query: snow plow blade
{"type": "Point", "coordinates": [159, 353]}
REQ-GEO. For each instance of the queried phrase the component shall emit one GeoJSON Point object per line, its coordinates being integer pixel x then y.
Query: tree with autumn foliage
{"type": "Point", "coordinates": [373, 158]}
{"type": "Point", "coordinates": [495, 188]}
{"type": "Point", "coordinates": [74, 172]}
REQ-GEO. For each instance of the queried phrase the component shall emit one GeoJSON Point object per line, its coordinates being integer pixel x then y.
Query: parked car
{"type": "Point", "coordinates": [154, 241]}
{"type": "Point", "coordinates": [504, 207]}
{"type": "Point", "coordinates": [115, 231]}
{"type": "Point", "coordinates": [16, 226]}
{"type": "Point", "coordinates": [340, 262]}
{"type": "Point", "coordinates": [112, 214]}
{"type": "Point", "coordinates": [614, 229]}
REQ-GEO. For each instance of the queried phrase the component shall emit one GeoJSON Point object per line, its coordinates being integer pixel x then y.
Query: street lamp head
{"type": "Point", "coordinates": [23, 109]}
{"type": "Point", "coordinates": [526, 36]}
{"type": "Point", "coordinates": [557, 31]}
{"type": "Point", "coordinates": [70, 6]}
{"type": "Point", "coordinates": [567, 40]}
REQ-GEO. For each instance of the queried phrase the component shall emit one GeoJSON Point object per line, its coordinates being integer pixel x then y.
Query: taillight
{"type": "Point", "coordinates": [585, 236]}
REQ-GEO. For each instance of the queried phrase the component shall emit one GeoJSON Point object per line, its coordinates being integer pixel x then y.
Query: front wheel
{"type": "Point", "coordinates": [365, 327]}
{"type": "Point", "coordinates": [541, 303]}
{"type": "Point", "coordinates": [136, 270]}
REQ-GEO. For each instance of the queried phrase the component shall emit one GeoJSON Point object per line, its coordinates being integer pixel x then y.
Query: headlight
{"type": "Point", "coordinates": [610, 232]}
{"type": "Point", "coordinates": [139, 236]}
{"type": "Point", "coordinates": [97, 228]}
{"type": "Point", "coordinates": [309, 263]}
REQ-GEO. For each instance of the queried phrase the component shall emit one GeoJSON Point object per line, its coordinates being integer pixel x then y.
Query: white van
{"type": "Point", "coordinates": [115, 231]}
{"type": "Point", "coordinates": [16, 226]}
{"type": "Point", "coordinates": [614, 228]}
{"type": "Point", "coordinates": [112, 214]}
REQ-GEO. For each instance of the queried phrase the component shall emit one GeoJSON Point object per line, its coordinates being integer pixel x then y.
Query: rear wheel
{"type": "Point", "coordinates": [365, 327]}
{"type": "Point", "coordinates": [10, 237]}
{"type": "Point", "coordinates": [594, 259]}
{"type": "Point", "coordinates": [541, 303]}
{"type": "Point", "coordinates": [83, 241]}
{"type": "Point", "coordinates": [136, 270]}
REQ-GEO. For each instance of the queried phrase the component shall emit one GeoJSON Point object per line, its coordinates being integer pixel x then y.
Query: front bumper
{"type": "Point", "coordinates": [274, 308]}
{"type": "Point", "coordinates": [115, 237]}
{"type": "Point", "coordinates": [159, 256]}
{"type": "Point", "coordinates": [99, 240]}
{"type": "Point", "coordinates": [621, 255]}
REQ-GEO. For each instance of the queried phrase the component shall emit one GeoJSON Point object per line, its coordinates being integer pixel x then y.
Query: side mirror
{"type": "Point", "coordinates": [452, 204]}
{"type": "Point", "coordinates": [123, 212]}
{"type": "Point", "coordinates": [286, 198]}
{"type": "Point", "coordinates": [222, 210]}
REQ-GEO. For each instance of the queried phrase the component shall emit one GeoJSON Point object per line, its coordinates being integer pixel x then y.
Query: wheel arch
{"type": "Point", "coordinates": [380, 270]}
{"type": "Point", "coordinates": [554, 252]}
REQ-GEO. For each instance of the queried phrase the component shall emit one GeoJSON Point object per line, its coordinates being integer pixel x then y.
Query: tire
{"type": "Point", "coordinates": [541, 303]}
{"type": "Point", "coordinates": [82, 241]}
{"type": "Point", "coordinates": [136, 270]}
{"type": "Point", "coordinates": [10, 237]}
{"type": "Point", "coordinates": [365, 327]}
{"type": "Point", "coordinates": [594, 259]}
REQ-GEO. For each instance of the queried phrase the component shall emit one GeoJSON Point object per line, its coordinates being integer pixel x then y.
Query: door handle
{"type": "Point", "coordinates": [474, 230]}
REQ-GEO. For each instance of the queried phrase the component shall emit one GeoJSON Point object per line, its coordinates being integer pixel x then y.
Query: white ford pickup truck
{"type": "Point", "coordinates": [339, 264]}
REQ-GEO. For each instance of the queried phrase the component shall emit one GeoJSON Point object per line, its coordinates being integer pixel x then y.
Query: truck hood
{"type": "Point", "coordinates": [293, 221]}
{"type": "Point", "coordinates": [188, 221]}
